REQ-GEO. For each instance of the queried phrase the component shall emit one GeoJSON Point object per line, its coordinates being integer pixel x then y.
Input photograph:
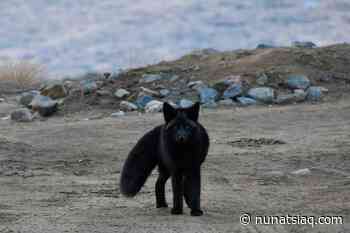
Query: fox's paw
{"type": "Point", "coordinates": [176, 211]}
{"type": "Point", "coordinates": [196, 212]}
{"type": "Point", "coordinates": [162, 205]}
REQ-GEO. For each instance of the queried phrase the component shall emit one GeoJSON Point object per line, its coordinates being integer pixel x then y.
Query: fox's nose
{"type": "Point", "coordinates": [181, 137]}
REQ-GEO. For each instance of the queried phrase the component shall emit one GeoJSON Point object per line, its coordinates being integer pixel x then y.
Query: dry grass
{"type": "Point", "coordinates": [19, 75]}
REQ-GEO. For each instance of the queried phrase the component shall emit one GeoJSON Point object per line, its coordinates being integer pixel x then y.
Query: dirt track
{"type": "Point", "coordinates": [61, 175]}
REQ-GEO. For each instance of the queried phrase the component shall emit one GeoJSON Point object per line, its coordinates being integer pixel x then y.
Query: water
{"type": "Point", "coordinates": [72, 37]}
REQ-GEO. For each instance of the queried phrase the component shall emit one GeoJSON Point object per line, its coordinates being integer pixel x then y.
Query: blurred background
{"type": "Point", "coordinates": [73, 37]}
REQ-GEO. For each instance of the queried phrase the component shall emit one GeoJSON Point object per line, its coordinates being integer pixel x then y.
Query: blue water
{"type": "Point", "coordinates": [72, 37]}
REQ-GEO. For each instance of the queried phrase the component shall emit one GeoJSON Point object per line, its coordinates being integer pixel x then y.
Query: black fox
{"type": "Point", "coordinates": [178, 147]}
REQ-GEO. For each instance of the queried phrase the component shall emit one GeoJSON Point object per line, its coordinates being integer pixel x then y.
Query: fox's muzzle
{"type": "Point", "coordinates": [182, 136]}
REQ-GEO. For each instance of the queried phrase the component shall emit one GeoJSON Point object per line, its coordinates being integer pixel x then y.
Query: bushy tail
{"type": "Point", "coordinates": [139, 164]}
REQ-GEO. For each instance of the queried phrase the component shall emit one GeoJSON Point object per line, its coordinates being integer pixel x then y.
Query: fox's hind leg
{"type": "Point", "coordinates": [192, 190]}
{"type": "Point", "coordinates": [160, 187]}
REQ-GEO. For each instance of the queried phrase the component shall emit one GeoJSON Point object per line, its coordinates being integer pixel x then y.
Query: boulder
{"type": "Point", "coordinates": [143, 100]}
{"type": "Point", "coordinates": [233, 91]}
{"type": "Point", "coordinates": [221, 86]}
{"type": "Point", "coordinates": [44, 105]}
{"type": "Point", "coordinates": [314, 93]}
{"type": "Point", "coordinates": [88, 86]}
{"type": "Point", "coordinates": [174, 78]}
{"type": "Point", "coordinates": [208, 95]}
{"type": "Point", "coordinates": [121, 93]}
{"type": "Point", "coordinates": [210, 105]}
{"type": "Point", "coordinates": [164, 93]}
{"type": "Point", "coordinates": [185, 103]}
{"type": "Point", "coordinates": [226, 102]}
{"type": "Point", "coordinates": [245, 101]}
{"type": "Point", "coordinates": [154, 106]}
{"type": "Point", "coordinates": [148, 78]}
{"type": "Point", "coordinates": [103, 93]}
{"type": "Point", "coordinates": [262, 79]}
{"type": "Point", "coordinates": [147, 91]}
{"type": "Point", "coordinates": [296, 81]}
{"type": "Point", "coordinates": [262, 94]}
{"type": "Point", "coordinates": [297, 96]}
{"type": "Point", "coordinates": [127, 106]}
{"type": "Point", "coordinates": [196, 85]}
{"type": "Point", "coordinates": [26, 98]}
{"type": "Point", "coordinates": [54, 90]}
{"type": "Point", "coordinates": [21, 115]}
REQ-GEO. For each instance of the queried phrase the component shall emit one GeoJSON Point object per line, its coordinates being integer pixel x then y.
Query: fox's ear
{"type": "Point", "coordinates": [169, 112]}
{"type": "Point", "coordinates": [193, 112]}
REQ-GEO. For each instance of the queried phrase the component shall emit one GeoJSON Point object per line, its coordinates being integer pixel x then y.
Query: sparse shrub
{"type": "Point", "coordinates": [19, 75]}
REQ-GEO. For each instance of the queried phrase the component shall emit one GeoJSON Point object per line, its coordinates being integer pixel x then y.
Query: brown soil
{"type": "Point", "coordinates": [61, 175]}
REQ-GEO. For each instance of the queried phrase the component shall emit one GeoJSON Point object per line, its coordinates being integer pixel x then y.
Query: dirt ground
{"type": "Point", "coordinates": [61, 175]}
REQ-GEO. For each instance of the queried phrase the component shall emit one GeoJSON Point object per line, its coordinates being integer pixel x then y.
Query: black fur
{"type": "Point", "coordinates": [178, 147]}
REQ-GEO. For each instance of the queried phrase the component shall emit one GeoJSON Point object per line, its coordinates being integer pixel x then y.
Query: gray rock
{"type": "Point", "coordinates": [54, 90]}
{"type": "Point", "coordinates": [174, 105]}
{"type": "Point", "coordinates": [210, 105]}
{"type": "Point", "coordinates": [245, 101]}
{"type": "Point", "coordinates": [68, 84]}
{"type": "Point", "coordinates": [233, 91]}
{"type": "Point", "coordinates": [314, 93]}
{"type": "Point", "coordinates": [2, 100]}
{"type": "Point", "coordinates": [148, 78]}
{"type": "Point", "coordinates": [196, 85]}
{"type": "Point", "coordinates": [44, 105]}
{"type": "Point", "coordinates": [324, 90]}
{"type": "Point", "coordinates": [221, 86]}
{"type": "Point", "coordinates": [118, 114]}
{"type": "Point", "coordinates": [164, 92]}
{"type": "Point", "coordinates": [150, 92]}
{"type": "Point", "coordinates": [103, 93]}
{"type": "Point", "coordinates": [262, 94]}
{"type": "Point", "coordinates": [262, 79]}
{"type": "Point", "coordinates": [174, 78]}
{"type": "Point", "coordinates": [304, 44]}
{"type": "Point", "coordinates": [154, 106]}
{"type": "Point", "coordinates": [297, 96]}
{"type": "Point", "coordinates": [127, 106]}
{"type": "Point", "coordinates": [208, 95]}
{"type": "Point", "coordinates": [26, 98]}
{"type": "Point", "coordinates": [296, 81]}
{"type": "Point", "coordinates": [88, 86]}
{"type": "Point", "coordinates": [196, 68]}
{"type": "Point", "coordinates": [143, 100]}
{"type": "Point", "coordinates": [226, 102]}
{"type": "Point", "coordinates": [21, 115]}
{"type": "Point", "coordinates": [121, 93]}
{"type": "Point", "coordinates": [185, 103]}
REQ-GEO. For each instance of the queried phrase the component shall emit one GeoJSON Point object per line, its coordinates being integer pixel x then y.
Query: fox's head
{"type": "Point", "coordinates": [181, 123]}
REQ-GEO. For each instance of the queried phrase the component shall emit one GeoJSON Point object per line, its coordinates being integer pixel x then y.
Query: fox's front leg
{"type": "Point", "coordinates": [177, 184]}
{"type": "Point", "coordinates": [192, 191]}
{"type": "Point", "coordinates": [160, 188]}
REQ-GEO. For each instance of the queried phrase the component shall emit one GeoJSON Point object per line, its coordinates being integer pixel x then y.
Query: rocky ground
{"type": "Point", "coordinates": [61, 154]}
